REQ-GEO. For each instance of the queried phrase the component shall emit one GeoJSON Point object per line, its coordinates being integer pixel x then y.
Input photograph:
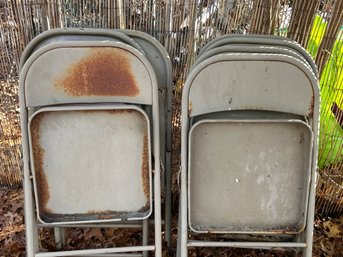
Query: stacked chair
{"type": "Point", "coordinates": [249, 117]}
{"type": "Point", "coordinates": [96, 130]}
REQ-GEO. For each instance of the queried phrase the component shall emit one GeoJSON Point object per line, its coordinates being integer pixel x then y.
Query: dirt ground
{"type": "Point", "coordinates": [328, 236]}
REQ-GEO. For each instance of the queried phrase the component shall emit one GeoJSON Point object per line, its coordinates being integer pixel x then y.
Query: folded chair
{"type": "Point", "coordinates": [160, 61]}
{"type": "Point", "coordinates": [263, 40]}
{"type": "Point", "coordinates": [248, 151]}
{"type": "Point", "coordinates": [90, 121]}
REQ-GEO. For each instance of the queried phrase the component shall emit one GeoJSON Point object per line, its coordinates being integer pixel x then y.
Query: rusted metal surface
{"type": "Point", "coordinates": [279, 230]}
{"type": "Point", "coordinates": [81, 157]}
{"type": "Point", "coordinates": [87, 72]}
{"type": "Point", "coordinates": [104, 72]}
{"type": "Point", "coordinates": [145, 167]}
{"type": "Point", "coordinates": [50, 217]}
{"type": "Point", "coordinates": [113, 112]}
{"type": "Point", "coordinates": [38, 156]}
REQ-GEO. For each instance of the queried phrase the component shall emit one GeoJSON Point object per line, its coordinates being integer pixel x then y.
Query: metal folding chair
{"type": "Point", "coordinates": [160, 61]}
{"type": "Point", "coordinates": [249, 48]}
{"type": "Point", "coordinates": [248, 151]}
{"type": "Point", "coordinates": [90, 122]}
{"type": "Point", "coordinates": [265, 40]}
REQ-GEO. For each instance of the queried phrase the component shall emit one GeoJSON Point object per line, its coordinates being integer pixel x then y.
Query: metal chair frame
{"type": "Point", "coordinates": [272, 40]}
{"type": "Point", "coordinates": [26, 109]}
{"type": "Point", "coordinates": [189, 111]}
{"type": "Point", "coordinates": [249, 48]}
{"type": "Point", "coordinates": [161, 64]}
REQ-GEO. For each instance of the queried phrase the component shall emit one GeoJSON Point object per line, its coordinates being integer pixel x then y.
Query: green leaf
{"type": "Point", "coordinates": [331, 84]}
{"type": "Point", "coordinates": [316, 35]}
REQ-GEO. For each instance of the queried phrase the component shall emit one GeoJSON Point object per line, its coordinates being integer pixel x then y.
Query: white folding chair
{"type": "Point", "coordinates": [265, 40]}
{"type": "Point", "coordinates": [249, 48]}
{"type": "Point", "coordinates": [248, 152]}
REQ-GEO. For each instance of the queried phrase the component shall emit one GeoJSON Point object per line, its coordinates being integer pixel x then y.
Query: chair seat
{"type": "Point", "coordinates": [91, 164]}
{"type": "Point", "coordinates": [249, 176]}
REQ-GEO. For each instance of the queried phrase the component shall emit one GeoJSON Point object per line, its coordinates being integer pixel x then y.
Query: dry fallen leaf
{"type": "Point", "coordinates": [93, 233]}
{"type": "Point", "coordinates": [328, 236]}
{"type": "Point", "coordinates": [333, 229]}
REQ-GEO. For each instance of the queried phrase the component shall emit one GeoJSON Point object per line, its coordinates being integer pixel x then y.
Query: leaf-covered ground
{"type": "Point", "coordinates": [328, 237]}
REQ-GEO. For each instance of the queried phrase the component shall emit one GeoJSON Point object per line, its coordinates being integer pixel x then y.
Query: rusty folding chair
{"type": "Point", "coordinates": [90, 122]}
{"type": "Point", "coordinates": [248, 150]}
{"type": "Point", "coordinates": [160, 61]}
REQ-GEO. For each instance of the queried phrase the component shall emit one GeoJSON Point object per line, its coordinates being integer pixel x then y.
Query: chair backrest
{"type": "Point", "coordinates": [227, 82]}
{"type": "Point", "coordinates": [249, 48]}
{"type": "Point", "coordinates": [86, 72]}
{"type": "Point", "coordinates": [260, 40]}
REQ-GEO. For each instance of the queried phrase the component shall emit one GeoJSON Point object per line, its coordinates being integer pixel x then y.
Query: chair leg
{"type": "Point", "coordinates": [310, 216]}
{"type": "Point", "coordinates": [183, 233]}
{"type": "Point", "coordinates": [145, 238]}
{"type": "Point", "coordinates": [59, 237]}
{"type": "Point", "coordinates": [168, 214]}
{"type": "Point", "coordinates": [178, 246]}
{"type": "Point", "coordinates": [31, 230]}
{"type": "Point", "coordinates": [157, 206]}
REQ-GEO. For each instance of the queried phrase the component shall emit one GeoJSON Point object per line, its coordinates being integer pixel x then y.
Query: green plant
{"type": "Point", "coordinates": [331, 85]}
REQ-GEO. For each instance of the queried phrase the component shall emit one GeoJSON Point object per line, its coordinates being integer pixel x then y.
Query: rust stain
{"type": "Point", "coordinates": [145, 168]}
{"type": "Point", "coordinates": [104, 72]}
{"type": "Point", "coordinates": [103, 215]}
{"type": "Point", "coordinates": [287, 230]}
{"type": "Point", "coordinates": [91, 215]}
{"type": "Point", "coordinates": [112, 112]}
{"type": "Point", "coordinates": [38, 157]}
{"type": "Point", "coordinates": [94, 215]}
